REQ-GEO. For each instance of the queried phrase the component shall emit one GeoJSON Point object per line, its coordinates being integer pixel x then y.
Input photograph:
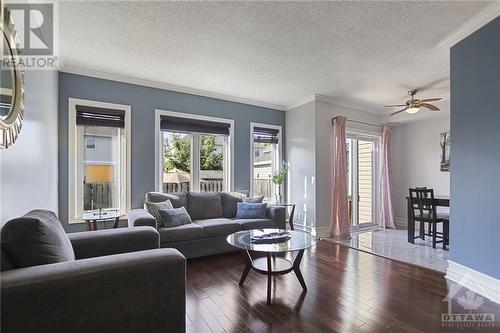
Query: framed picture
{"type": "Point", "coordinates": [445, 151]}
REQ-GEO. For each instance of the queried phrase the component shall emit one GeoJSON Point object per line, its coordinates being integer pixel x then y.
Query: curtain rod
{"type": "Point", "coordinates": [358, 122]}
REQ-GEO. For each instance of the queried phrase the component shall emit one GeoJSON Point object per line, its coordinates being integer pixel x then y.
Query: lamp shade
{"type": "Point", "coordinates": [98, 174]}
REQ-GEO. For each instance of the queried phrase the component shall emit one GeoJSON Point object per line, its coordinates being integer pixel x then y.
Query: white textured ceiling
{"type": "Point", "coordinates": [281, 53]}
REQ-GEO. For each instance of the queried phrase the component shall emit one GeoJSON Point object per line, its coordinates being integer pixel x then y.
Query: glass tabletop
{"type": "Point", "coordinates": [100, 216]}
{"type": "Point", "coordinates": [298, 241]}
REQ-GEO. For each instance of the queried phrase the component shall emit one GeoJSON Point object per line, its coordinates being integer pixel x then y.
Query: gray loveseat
{"type": "Point", "coordinates": [214, 218]}
{"type": "Point", "coordinates": [115, 280]}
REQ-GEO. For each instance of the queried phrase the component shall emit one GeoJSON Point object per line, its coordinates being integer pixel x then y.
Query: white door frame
{"type": "Point", "coordinates": [375, 178]}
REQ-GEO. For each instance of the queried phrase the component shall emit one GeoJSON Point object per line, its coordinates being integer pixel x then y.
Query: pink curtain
{"type": "Point", "coordinates": [386, 189]}
{"type": "Point", "coordinates": [341, 228]}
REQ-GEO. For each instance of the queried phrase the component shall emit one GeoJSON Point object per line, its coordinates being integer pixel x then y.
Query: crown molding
{"type": "Point", "coordinates": [482, 18]}
{"type": "Point", "coordinates": [350, 103]}
{"type": "Point", "coordinates": [303, 101]}
{"type": "Point", "coordinates": [164, 86]}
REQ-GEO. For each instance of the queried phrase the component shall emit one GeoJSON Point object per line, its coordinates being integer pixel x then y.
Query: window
{"type": "Point", "coordinates": [265, 160]}
{"type": "Point", "coordinates": [98, 162]}
{"type": "Point", "coordinates": [194, 153]}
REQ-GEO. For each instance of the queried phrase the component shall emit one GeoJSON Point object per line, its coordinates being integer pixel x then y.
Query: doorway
{"type": "Point", "coordinates": [362, 176]}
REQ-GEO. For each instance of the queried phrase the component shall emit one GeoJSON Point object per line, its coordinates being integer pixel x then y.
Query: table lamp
{"type": "Point", "coordinates": [98, 175]}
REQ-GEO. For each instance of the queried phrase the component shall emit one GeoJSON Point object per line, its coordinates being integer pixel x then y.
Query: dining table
{"type": "Point", "coordinates": [439, 201]}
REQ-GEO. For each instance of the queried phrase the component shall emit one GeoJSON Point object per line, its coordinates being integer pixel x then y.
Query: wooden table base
{"type": "Point", "coordinates": [272, 265]}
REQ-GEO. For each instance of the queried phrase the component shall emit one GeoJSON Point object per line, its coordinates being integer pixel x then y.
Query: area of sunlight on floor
{"type": "Point", "coordinates": [394, 244]}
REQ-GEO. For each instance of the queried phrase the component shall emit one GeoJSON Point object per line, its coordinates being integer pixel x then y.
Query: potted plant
{"type": "Point", "coordinates": [279, 179]}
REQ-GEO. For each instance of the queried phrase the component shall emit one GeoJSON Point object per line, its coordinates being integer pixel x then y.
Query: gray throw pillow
{"type": "Point", "coordinates": [37, 238]}
{"type": "Point", "coordinates": [251, 210]}
{"type": "Point", "coordinates": [174, 217]}
{"type": "Point", "coordinates": [229, 201]}
{"type": "Point", "coordinates": [253, 200]}
{"type": "Point", "coordinates": [154, 208]}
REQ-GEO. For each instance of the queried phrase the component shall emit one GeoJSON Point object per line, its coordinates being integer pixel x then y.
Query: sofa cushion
{"type": "Point", "coordinates": [204, 205]}
{"type": "Point", "coordinates": [153, 208]}
{"type": "Point", "coordinates": [247, 224]}
{"type": "Point", "coordinates": [218, 227]}
{"type": "Point", "coordinates": [5, 262]}
{"type": "Point", "coordinates": [229, 202]}
{"type": "Point", "coordinates": [181, 233]}
{"type": "Point", "coordinates": [251, 210]}
{"type": "Point", "coordinates": [174, 217]}
{"type": "Point", "coordinates": [37, 238]}
{"type": "Point", "coordinates": [177, 199]}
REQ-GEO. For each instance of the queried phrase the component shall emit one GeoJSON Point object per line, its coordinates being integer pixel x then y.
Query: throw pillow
{"type": "Point", "coordinates": [253, 200]}
{"type": "Point", "coordinates": [251, 210]}
{"type": "Point", "coordinates": [154, 208]}
{"type": "Point", "coordinates": [229, 201]}
{"type": "Point", "coordinates": [37, 238]}
{"type": "Point", "coordinates": [174, 217]}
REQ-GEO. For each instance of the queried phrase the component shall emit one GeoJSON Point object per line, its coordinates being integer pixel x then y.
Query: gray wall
{"type": "Point", "coordinates": [475, 151]}
{"type": "Point", "coordinates": [28, 169]}
{"type": "Point", "coordinates": [144, 101]}
{"type": "Point", "coordinates": [416, 161]}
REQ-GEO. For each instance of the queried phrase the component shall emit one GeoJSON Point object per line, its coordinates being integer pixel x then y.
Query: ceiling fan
{"type": "Point", "coordinates": [414, 105]}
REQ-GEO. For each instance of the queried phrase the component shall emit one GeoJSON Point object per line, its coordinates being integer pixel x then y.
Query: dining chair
{"type": "Point", "coordinates": [424, 211]}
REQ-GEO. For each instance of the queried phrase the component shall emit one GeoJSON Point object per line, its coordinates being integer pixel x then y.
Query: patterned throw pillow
{"type": "Point", "coordinates": [251, 210]}
{"type": "Point", "coordinates": [253, 200]}
{"type": "Point", "coordinates": [154, 209]}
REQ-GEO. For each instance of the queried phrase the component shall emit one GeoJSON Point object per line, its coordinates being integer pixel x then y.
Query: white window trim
{"type": "Point", "coordinates": [280, 150]}
{"type": "Point", "coordinates": [73, 152]}
{"type": "Point", "coordinates": [229, 182]}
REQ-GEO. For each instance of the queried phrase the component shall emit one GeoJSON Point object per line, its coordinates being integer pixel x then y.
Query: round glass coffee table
{"type": "Point", "coordinates": [271, 265]}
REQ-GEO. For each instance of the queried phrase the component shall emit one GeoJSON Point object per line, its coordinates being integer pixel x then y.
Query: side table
{"type": "Point", "coordinates": [92, 218]}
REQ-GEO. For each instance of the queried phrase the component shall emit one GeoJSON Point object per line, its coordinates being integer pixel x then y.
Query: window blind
{"type": "Point", "coordinates": [94, 116]}
{"type": "Point", "coordinates": [186, 125]}
{"type": "Point", "coordinates": [266, 135]}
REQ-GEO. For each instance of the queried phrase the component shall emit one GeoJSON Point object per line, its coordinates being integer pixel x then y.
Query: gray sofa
{"type": "Point", "coordinates": [214, 218]}
{"type": "Point", "coordinates": [115, 280]}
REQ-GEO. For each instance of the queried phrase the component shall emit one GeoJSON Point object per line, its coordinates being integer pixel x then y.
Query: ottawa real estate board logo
{"type": "Point", "coordinates": [467, 313]}
{"type": "Point", "coordinates": [33, 23]}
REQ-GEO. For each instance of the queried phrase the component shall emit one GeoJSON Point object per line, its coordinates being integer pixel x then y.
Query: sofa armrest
{"type": "Point", "coordinates": [133, 292]}
{"type": "Point", "coordinates": [278, 215]}
{"type": "Point", "coordinates": [141, 217]}
{"type": "Point", "coordinates": [90, 244]}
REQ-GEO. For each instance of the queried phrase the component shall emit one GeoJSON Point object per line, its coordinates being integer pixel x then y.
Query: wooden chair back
{"type": "Point", "coordinates": [422, 202]}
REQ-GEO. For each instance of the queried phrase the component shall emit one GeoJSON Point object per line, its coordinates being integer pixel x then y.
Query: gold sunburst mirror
{"type": "Point", "coordinates": [11, 82]}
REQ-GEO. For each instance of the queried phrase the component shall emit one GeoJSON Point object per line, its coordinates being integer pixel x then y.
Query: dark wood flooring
{"type": "Point", "coordinates": [348, 291]}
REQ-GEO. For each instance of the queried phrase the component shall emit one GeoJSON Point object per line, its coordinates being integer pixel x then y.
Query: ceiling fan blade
{"type": "Point", "coordinates": [392, 114]}
{"type": "Point", "coordinates": [431, 99]}
{"type": "Point", "coordinates": [430, 106]}
{"type": "Point", "coordinates": [393, 105]}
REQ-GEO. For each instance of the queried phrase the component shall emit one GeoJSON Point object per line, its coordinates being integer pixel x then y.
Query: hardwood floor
{"type": "Point", "coordinates": [348, 291]}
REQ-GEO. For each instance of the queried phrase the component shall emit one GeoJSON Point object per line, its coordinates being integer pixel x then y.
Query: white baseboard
{"type": "Point", "coordinates": [401, 222]}
{"type": "Point", "coordinates": [318, 232]}
{"type": "Point", "coordinates": [478, 282]}
{"type": "Point", "coordinates": [322, 232]}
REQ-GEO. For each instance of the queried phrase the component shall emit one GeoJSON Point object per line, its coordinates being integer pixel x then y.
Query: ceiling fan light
{"type": "Point", "coordinates": [412, 110]}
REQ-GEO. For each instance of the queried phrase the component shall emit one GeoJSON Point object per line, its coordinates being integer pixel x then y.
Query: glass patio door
{"type": "Point", "coordinates": [362, 179]}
